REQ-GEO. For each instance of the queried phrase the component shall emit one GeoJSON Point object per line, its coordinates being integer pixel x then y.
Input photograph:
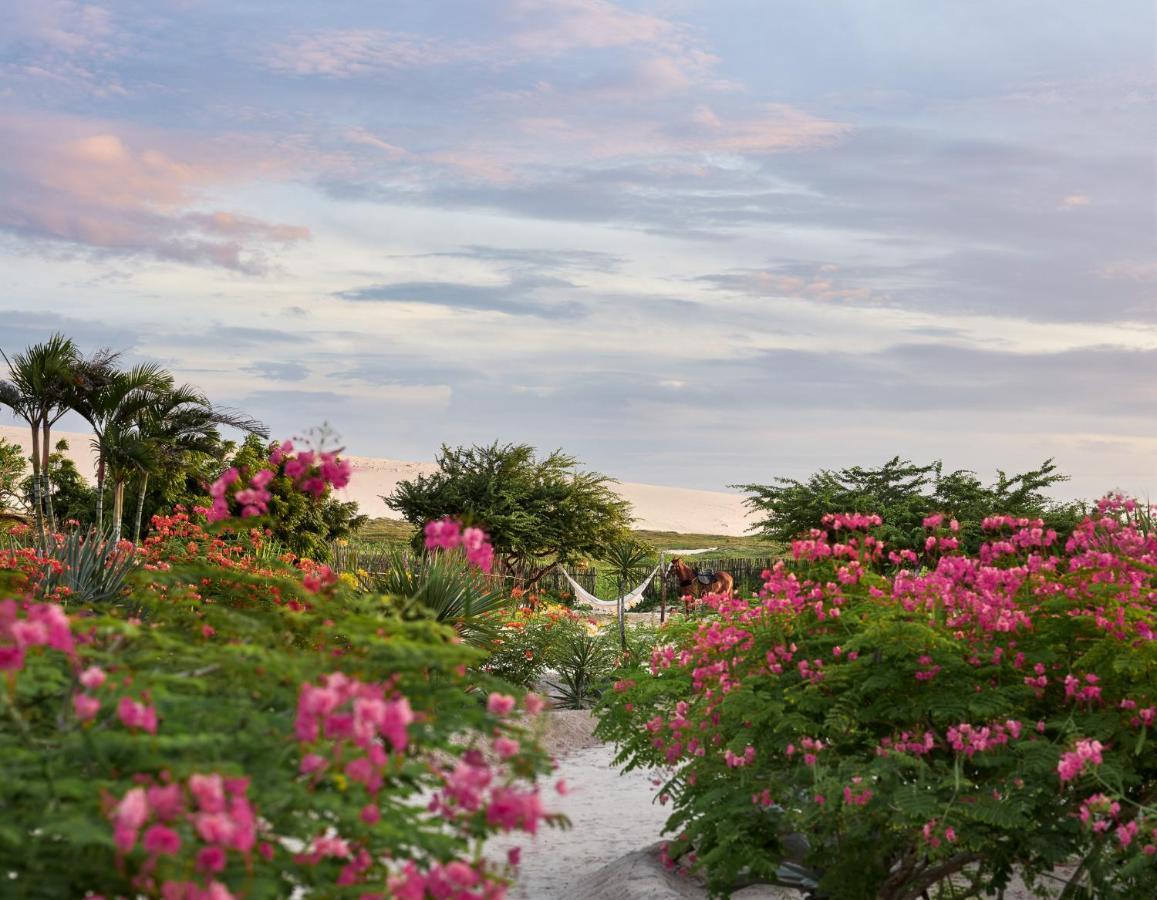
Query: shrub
{"type": "Point", "coordinates": [896, 719]}
{"type": "Point", "coordinates": [536, 511]}
{"type": "Point", "coordinates": [903, 494]}
{"type": "Point", "coordinates": [243, 725]}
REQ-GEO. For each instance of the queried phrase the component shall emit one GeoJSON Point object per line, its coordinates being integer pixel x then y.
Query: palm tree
{"type": "Point", "coordinates": [627, 560]}
{"type": "Point", "coordinates": [124, 452]}
{"type": "Point", "coordinates": [39, 383]}
{"type": "Point", "coordinates": [109, 400]}
{"type": "Point", "coordinates": [179, 422]}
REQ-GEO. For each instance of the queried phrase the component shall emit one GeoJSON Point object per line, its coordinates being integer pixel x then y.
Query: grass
{"type": "Point", "coordinates": [396, 531]}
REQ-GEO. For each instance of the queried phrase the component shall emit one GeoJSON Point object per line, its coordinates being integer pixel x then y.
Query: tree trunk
{"type": "Point", "coordinates": [46, 469]}
{"type": "Point", "coordinates": [100, 493]}
{"type": "Point", "coordinates": [37, 500]}
{"type": "Point", "coordinates": [118, 509]}
{"type": "Point", "coordinates": [622, 617]}
{"type": "Point", "coordinates": [140, 507]}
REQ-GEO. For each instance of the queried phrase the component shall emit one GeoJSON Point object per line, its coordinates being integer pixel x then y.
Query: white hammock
{"type": "Point", "coordinates": [629, 600]}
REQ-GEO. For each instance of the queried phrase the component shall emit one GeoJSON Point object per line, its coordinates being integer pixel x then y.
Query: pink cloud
{"type": "Point", "coordinates": [91, 184]}
{"type": "Point", "coordinates": [356, 52]}
{"type": "Point", "coordinates": [548, 27]}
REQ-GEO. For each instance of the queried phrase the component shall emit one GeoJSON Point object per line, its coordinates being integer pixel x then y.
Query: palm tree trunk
{"type": "Point", "coordinates": [46, 469]}
{"type": "Point", "coordinates": [100, 494]}
{"type": "Point", "coordinates": [37, 504]}
{"type": "Point", "coordinates": [118, 509]}
{"type": "Point", "coordinates": [140, 507]}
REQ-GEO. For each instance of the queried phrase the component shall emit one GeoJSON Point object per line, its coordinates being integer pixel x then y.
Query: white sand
{"type": "Point", "coordinates": [655, 507]}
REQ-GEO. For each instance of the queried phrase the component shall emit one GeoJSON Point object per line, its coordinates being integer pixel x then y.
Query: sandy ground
{"type": "Point", "coordinates": [656, 507]}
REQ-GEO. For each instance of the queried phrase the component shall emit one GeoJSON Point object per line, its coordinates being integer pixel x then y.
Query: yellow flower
{"type": "Point", "coordinates": [340, 780]}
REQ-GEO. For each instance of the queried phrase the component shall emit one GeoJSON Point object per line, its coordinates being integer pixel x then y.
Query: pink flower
{"type": "Point", "coordinates": [370, 814]}
{"type": "Point", "coordinates": [443, 534]}
{"type": "Point", "coordinates": [11, 659]}
{"type": "Point", "coordinates": [506, 747]}
{"type": "Point", "coordinates": [209, 791]}
{"type": "Point", "coordinates": [137, 715]}
{"type": "Point", "coordinates": [211, 859]}
{"type": "Point", "coordinates": [534, 704]}
{"type": "Point", "coordinates": [311, 763]}
{"type": "Point", "coordinates": [500, 704]}
{"type": "Point", "coordinates": [92, 677]}
{"type": "Point", "coordinates": [128, 817]}
{"type": "Point", "coordinates": [162, 840]}
{"type": "Point", "coordinates": [85, 707]}
{"type": "Point", "coordinates": [396, 718]}
{"type": "Point", "coordinates": [167, 802]}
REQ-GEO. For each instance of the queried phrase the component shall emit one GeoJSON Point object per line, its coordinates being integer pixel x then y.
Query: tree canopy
{"type": "Point", "coordinates": [300, 523]}
{"type": "Point", "coordinates": [536, 511]}
{"type": "Point", "coordinates": [903, 494]}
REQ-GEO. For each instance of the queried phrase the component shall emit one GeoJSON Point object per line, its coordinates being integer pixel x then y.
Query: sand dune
{"type": "Point", "coordinates": [655, 506]}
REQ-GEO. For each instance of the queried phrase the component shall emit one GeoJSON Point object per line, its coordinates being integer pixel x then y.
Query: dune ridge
{"type": "Point", "coordinates": [656, 507]}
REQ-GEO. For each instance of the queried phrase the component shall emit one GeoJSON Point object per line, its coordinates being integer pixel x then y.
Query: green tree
{"type": "Point", "coordinates": [176, 424]}
{"type": "Point", "coordinates": [12, 468]}
{"type": "Point", "coordinates": [536, 511]}
{"type": "Point", "coordinates": [903, 494]}
{"type": "Point", "coordinates": [71, 495]}
{"type": "Point", "coordinates": [109, 400]}
{"type": "Point", "coordinates": [35, 391]}
{"type": "Point", "coordinates": [628, 559]}
{"type": "Point", "coordinates": [300, 523]}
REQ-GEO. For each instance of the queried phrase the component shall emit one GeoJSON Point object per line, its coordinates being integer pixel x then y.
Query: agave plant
{"type": "Point", "coordinates": [583, 662]}
{"type": "Point", "coordinates": [90, 567]}
{"type": "Point", "coordinates": [445, 588]}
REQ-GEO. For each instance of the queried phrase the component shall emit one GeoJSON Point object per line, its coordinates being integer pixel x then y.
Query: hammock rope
{"type": "Point", "coordinates": [629, 600]}
{"type": "Point", "coordinates": [633, 598]}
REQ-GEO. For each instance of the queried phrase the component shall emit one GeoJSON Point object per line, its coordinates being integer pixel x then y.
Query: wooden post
{"type": "Point", "coordinates": [622, 618]}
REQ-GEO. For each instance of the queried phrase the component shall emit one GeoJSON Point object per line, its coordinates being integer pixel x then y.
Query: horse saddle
{"type": "Point", "coordinates": [706, 577]}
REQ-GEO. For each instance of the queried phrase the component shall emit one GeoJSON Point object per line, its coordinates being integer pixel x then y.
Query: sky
{"type": "Point", "coordinates": [692, 242]}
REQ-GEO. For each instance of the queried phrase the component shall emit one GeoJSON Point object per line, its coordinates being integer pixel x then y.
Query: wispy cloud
{"type": "Point", "coordinates": [73, 181]}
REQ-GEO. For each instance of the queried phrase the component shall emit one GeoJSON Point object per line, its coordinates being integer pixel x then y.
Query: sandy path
{"type": "Point", "coordinates": [610, 814]}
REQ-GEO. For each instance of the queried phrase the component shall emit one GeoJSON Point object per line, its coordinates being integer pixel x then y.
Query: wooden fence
{"type": "Point", "coordinates": [746, 573]}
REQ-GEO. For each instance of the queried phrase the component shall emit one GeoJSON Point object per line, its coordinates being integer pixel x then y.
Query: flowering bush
{"type": "Point", "coordinates": [248, 725]}
{"type": "Point", "coordinates": [894, 720]}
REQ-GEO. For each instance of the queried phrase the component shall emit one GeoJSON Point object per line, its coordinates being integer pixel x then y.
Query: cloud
{"type": "Point", "coordinates": [280, 370]}
{"type": "Point", "coordinates": [821, 282]}
{"type": "Point", "coordinates": [521, 296]}
{"type": "Point", "coordinates": [356, 52]}
{"type": "Point", "coordinates": [77, 182]}
{"type": "Point", "coordinates": [1073, 201]}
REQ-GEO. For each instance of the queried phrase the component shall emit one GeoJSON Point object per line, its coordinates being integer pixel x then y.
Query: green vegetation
{"type": "Point", "coordinates": [538, 512]}
{"type": "Point", "coordinates": [904, 494]}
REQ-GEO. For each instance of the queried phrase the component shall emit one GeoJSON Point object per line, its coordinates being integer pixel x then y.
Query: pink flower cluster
{"type": "Point", "coordinates": [851, 521]}
{"type": "Point", "coordinates": [84, 704]}
{"type": "Point", "coordinates": [211, 812]}
{"type": "Point", "coordinates": [447, 534]}
{"type": "Point", "coordinates": [253, 499]}
{"type": "Point", "coordinates": [43, 625]}
{"type": "Point", "coordinates": [456, 880]}
{"type": "Point", "coordinates": [932, 835]}
{"type": "Point", "coordinates": [1073, 762]}
{"type": "Point", "coordinates": [738, 761]}
{"type": "Point", "coordinates": [312, 473]}
{"type": "Point", "coordinates": [973, 739]}
{"type": "Point", "coordinates": [137, 716]}
{"type": "Point", "coordinates": [351, 715]}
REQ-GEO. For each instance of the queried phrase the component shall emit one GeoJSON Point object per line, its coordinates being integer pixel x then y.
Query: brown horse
{"type": "Point", "coordinates": [692, 584]}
